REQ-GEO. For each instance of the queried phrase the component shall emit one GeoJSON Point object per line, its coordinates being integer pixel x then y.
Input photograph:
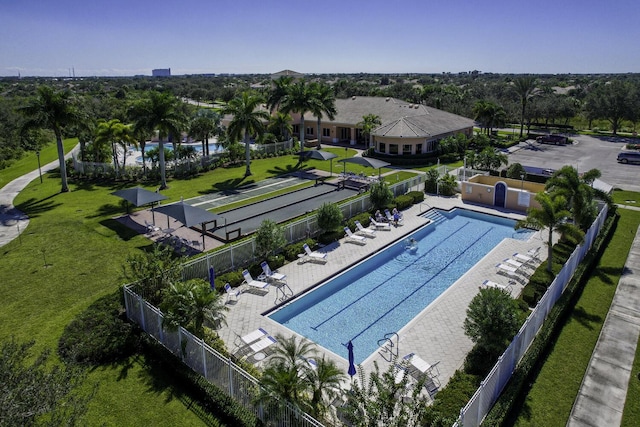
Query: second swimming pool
{"type": "Point", "coordinates": [383, 293]}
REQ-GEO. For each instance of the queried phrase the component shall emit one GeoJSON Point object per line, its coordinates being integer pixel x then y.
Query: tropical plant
{"type": "Point", "coordinates": [516, 171]}
{"type": "Point", "coordinates": [552, 215]}
{"type": "Point", "coordinates": [380, 194]}
{"type": "Point", "coordinates": [378, 402]}
{"type": "Point", "coordinates": [489, 159]}
{"type": "Point", "coordinates": [525, 89]}
{"type": "Point", "coordinates": [299, 98]}
{"type": "Point", "coordinates": [447, 185]}
{"type": "Point", "coordinates": [204, 125]}
{"type": "Point", "coordinates": [114, 133]}
{"type": "Point", "coordinates": [329, 216]}
{"type": "Point", "coordinates": [579, 192]}
{"type": "Point", "coordinates": [192, 303]}
{"type": "Point", "coordinates": [248, 119]}
{"type": "Point", "coordinates": [269, 238]}
{"type": "Point", "coordinates": [153, 271]}
{"type": "Point", "coordinates": [324, 103]}
{"type": "Point", "coordinates": [55, 110]}
{"type": "Point", "coordinates": [161, 112]}
{"type": "Point", "coordinates": [431, 181]}
{"type": "Point", "coordinates": [280, 126]}
{"type": "Point", "coordinates": [492, 320]}
{"type": "Point", "coordinates": [489, 115]}
{"type": "Point", "coordinates": [324, 385]}
{"type": "Point", "coordinates": [278, 91]}
{"type": "Point", "coordinates": [368, 124]}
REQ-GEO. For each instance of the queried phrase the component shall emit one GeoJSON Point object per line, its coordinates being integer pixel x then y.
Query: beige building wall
{"type": "Point", "coordinates": [520, 195]}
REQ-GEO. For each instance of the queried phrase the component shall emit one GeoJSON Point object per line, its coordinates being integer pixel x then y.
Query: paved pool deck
{"type": "Point", "coordinates": [436, 334]}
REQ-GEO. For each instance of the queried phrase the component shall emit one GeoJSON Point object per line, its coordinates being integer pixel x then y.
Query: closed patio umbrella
{"type": "Point", "coordinates": [352, 366]}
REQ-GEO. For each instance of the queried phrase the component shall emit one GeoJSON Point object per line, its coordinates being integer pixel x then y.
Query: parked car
{"type": "Point", "coordinates": [629, 157]}
{"type": "Point", "coordinates": [552, 139]}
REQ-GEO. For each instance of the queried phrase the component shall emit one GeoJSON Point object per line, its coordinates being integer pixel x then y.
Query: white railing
{"type": "Point", "coordinates": [489, 391]}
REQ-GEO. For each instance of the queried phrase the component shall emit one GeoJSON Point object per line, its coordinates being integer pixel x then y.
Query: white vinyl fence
{"type": "Point", "coordinates": [216, 368]}
{"type": "Point", "coordinates": [489, 391]}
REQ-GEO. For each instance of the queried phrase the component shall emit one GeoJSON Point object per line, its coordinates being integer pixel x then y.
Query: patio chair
{"type": "Point", "coordinates": [512, 262]}
{"type": "Point", "coordinates": [365, 231]}
{"type": "Point", "coordinates": [272, 275]}
{"type": "Point", "coordinates": [231, 292]}
{"type": "Point", "coordinates": [526, 260]}
{"type": "Point", "coordinates": [256, 284]}
{"type": "Point", "coordinates": [395, 218]}
{"type": "Point", "coordinates": [250, 338]}
{"type": "Point", "coordinates": [508, 270]}
{"type": "Point", "coordinates": [352, 238]}
{"type": "Point", "coordinates": [262, 344]}
{"type": "Point", "coordinates": [315, 256]}
{"type": "Point", "coordinates": [151, 229]}
{"type": "Point", "coordinates": [380, 225]}
{"type": "Point", "coordinates": [279, 280]}
{"type": "Point", "coordinates": [507, 288]}
{"type": "Point", "coordinates": [534, 253]}
{"type": "Point", "coordinates": [422, 366]}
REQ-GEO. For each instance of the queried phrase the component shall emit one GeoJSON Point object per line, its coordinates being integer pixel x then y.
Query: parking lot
{"type": "Point", "coordinates": [587, 152]}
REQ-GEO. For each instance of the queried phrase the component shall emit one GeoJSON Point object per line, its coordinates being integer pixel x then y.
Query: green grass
{"type": "Point", "coordinates": [553, 392]}
{"type": "Point", "coordinates": [29, 162]}
{"type": "Point", "coordinates": [623, 197]}
{"type": "Point", "coordinates": [631, 413]}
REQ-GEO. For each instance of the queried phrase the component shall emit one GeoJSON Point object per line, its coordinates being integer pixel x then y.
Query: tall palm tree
{"type": "Point", "coordinates": [324, 383]}
{"type": "Point", "coordinates": [248, 119]}
{"type": "Point", "coordinates": [161, 112]}
{"type": "Point", "coordinates": [525, 88]}
{"type": "Point", "coordinates": [324, 102]}
{"type": "Point", "coordinates": [278, 91]}
{"type": "Point", "coordinates": [280, 125]}
{"type": "Point", "coordinates": [54, 110]}
{"type": "Point", "coordinates": [552, 215]}
{"type": "Point", "coordinates": [298, 99]}
{"type": "Point", "coordinates": [578, 191]}
{"type": "Point", "coordinates": [368, 124]}
{"type": "Point", "coordinates": [114, 133]}
{"type": "Point", "coordinates": [291, 352]}
{"type": "Point", "coordinates": [204, 125]}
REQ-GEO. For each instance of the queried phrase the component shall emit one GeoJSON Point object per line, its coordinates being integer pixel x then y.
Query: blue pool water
{"type": "Point", "coordinates": [383, 293]}
{"type": "Point", "coordinates": [213, 148]}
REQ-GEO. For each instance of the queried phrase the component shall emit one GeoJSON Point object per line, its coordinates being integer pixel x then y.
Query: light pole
{"type": "Point", "coordinates": [522, 175]}
{"type": "Point", "coordinates": [344, 171]}
{"type": "Point", "coordinates": [39, 170]}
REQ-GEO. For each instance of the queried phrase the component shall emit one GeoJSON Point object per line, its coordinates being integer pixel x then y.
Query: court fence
{"type": "Point", "coordinates": [489, 391]}
{"type": "Point", "coordinates": [213, 366]}
{"type": "Point", "coordinates": [236, 255]}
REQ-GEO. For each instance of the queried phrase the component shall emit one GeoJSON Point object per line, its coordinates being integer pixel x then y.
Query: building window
{"type": "Point", "coordinates": [382, 147]}
{"type": "Point", "coordinates": [326, 132]}
{"type": "Point", "coordinates": [296, 129]}
{"type": "Point", "coordinates": [406, 149]}
{"type": "Point", "coordinates": [393, 148]}
{"type": "Point", "coordinates": [418, 148]}
{"type": "Point", "coordinates": [309, 131]}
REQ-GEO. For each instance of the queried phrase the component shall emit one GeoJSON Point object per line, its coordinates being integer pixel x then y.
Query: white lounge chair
{"type": "Point", "coordinates": [231, 292]}
{"type": "Point", "coordinates": [392, 218]}
{"type": "Point", "coordinates": [250, 338]}
{"type": "Point", "coordinates": [380, 225]}
{"type": "Point", "coordinates": [512, 262]}
{"type": "Point", "coordinates": [361, 240]}
{"type": "Point", "coordinates": [272, 275]}
{"type": "Point", "coordinates": [508, 270]}
{"type": "Point", "coordinates": [257, 284]}
{"type": "Point", "coordinates": [525, 259]}
{"type": "Point", "coordinates": [534, 253]}
{"type": "Point", "coordinates": [422, 366]}
{"type": "Point", "coordinates": [262, 344]}
{"type": "Point", "coordinates": [151, 229]}
{"type": "Point", "coordinates": [313, 255]}
{"type": "Point", "coordinates": [507, 288]}
{"type": "Point", "coordinates": [369, 232]}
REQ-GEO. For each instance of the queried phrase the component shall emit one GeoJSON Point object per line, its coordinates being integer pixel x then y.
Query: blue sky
{"type": "Point", "coordinates": [129, 37]}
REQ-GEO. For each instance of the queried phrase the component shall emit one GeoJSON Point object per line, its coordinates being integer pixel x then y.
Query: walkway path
{"type": "Point", "coordinates": [603, 391]}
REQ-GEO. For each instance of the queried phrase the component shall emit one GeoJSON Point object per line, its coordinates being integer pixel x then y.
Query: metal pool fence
{"type": "Point", "coordinates": [489, 391]}
{"type": "Point", "coordinates": [214, 367]}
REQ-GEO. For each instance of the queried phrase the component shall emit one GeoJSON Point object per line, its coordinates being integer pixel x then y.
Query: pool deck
{"type": "Point", "coordinates": [436, 334]}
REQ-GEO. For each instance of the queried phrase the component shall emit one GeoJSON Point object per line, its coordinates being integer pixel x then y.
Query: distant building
{"type": "Point", "coordinates": [161, 72]}
{"type": "Point", "coordinates": [286, 73]}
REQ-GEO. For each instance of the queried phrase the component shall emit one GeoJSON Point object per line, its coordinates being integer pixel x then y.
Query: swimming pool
{"type": "Point", "coordinates": [384, 292]}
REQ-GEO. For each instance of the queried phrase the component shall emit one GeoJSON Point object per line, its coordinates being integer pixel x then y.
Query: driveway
{"type": "Point", "coordinates": [586, 153]}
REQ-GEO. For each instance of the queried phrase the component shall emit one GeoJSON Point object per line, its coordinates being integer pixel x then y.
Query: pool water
{"type": "Point", "coordinates": [383, 293]}
{"type": "Point", "coordinates": [213, 148]}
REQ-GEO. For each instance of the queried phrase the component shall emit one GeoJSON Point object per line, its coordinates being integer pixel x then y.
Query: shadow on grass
{"type": "Point", "coordinates": [606, 273]}
{"type": "Point", "coordinates": [33, 207]}
{"type": "Point", "coordinates": [289, 169]}
{"type": "Point", "coordinates": [585, 319]}
{"type": "Point", "coordinates": [230, 186]}
{"type": "Point", "coordinates": [125, 231]}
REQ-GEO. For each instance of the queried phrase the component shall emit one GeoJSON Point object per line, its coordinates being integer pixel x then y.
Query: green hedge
{"type": "Point", "coordinates": [515, 391]}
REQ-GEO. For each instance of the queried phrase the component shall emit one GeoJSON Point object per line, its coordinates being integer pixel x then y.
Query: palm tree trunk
{"type": "Point", "coordinates": [301, 131]}
{"type": "Point", "coordinates": [163, 172]}
{"type": "Point", "coordinates": [524, 105]}
{"type": "Point", "coordinates": [319, 145]}
{"type": "Point", "coordinates": [247, 154]}
{"type": "Point", "coordinates": [63, 166]}
{"type": "Point", "coordinates": [550, 253]}
{"type": "Point", "coordinates": [144, 163]}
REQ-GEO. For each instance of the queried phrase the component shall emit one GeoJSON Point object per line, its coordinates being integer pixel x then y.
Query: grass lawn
{"type": "Point", "coordinates": [29, 162]}
{"type": "Point", "coordinates": [553, 392]}
{"type": "Point", "coordinates": [631, 413]}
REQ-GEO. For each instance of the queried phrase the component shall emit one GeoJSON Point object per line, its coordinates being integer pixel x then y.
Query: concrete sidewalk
{"type": "Point", "coordinates": [603, 391]}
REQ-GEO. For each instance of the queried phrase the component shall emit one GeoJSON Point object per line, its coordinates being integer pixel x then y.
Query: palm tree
{"type": "Point", "coordinates": [324, 383]}
{"type": "Point", "coordinates": [114, 133]}
{"type": "Point", "coordinates": [54, 110]}
{"type": "Point", "coordinates": [248, 119]}
{"type": "Point", "coordinates": [205, 124]}
{"type": "Point", "coordinates": [489, 115]}
{"type": "Point", "coordinates": [298, 99]}
{"type": "Point", "coordinates": [279, 90]}
{"type": "Point", "coordinates": [552, 214]}
{"type": "Point", "coordinates": [291, 352]}
{"type": "Point", "coordinates": [368, 124]}
{"type": "Point", "coordinates": [159, 111]}
{"type": "Point", "coordinates": [525, 88]}
{"type": "Point", "coordinates": [578, 191]}
{"type": "Point", "coordinates": [324, 102]}
{"type": "Point", "coordinates": [280, 125]}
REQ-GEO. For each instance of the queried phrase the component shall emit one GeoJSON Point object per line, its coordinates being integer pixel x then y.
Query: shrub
{"type": "Point", "coordinates": [362, 217]}
{"type": "Point", "coordinates": [269, 238]}
{"type": "Point", "coordinates": [234, 278]}
{"type": "Point", "coordinates": [329, 216]}
{"type": "Point", "coordinates": [417, 196]}
{"type": "Point", "coordinates": [291, 251]}
{"type": "Point", "coordinates": [330, 236]}
{"type": "Point", "coordinates": [380, 194]}
{"type": "Point", "coordinates": [454, 396]}
{"type": "Point", "coordinates": [403, 202]}
{"type": "Point", "coordinates": [100, 334]}
{"type": "Point", "coordinates": [431, 183]}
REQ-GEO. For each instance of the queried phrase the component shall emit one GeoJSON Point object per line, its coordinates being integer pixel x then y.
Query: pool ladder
{"type": "Point", "coordinates": [389, 346]}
